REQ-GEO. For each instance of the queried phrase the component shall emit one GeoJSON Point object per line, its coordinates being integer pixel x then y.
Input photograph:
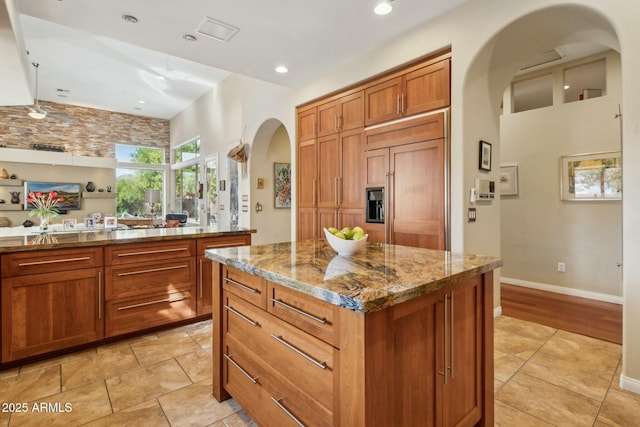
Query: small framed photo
{"type": "Point", "coordinates": [89, 223]}
{"type": "Point", "coordinates": [485, 156]}
{"type": "Point", "coordinates": [68, 224]}
{"type": "Point", "coordinates": [110, 222]}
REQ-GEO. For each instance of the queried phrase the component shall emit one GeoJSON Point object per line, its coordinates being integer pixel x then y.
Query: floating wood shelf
{"type": "Point", "coordinates": [98, 195]}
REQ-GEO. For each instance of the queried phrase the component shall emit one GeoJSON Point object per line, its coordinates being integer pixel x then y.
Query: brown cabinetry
{"type": "Point", "coordinates": [149, 284]}
{"type": "Point", "coordinates": [51, 300]}
{"type": "Point", "coordinates": [203, 298]}
{"type": "Point", "coordinates": [413, 175]}
{"type": "Point", "coordinates": [303, 358]}
{"type": "Point", "coordinates": [420, 89]}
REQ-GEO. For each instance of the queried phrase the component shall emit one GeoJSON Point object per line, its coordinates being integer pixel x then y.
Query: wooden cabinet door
{"type": "Point", "coordinates": [382, 101]}
{"type": "Point", "coordinates": [307, 223]}
{"type": "Point", "coordinates": [351, 218]}
{"type": "Point", "coordinates": [328, 170]}
{"type": "Point", "coordinates": [426, 89]}
{"type": "Point", "coordinates": [351, 176]}
{"type": "Point", "coordinates": [307, 124]}
{"type": "Point", "coordinates": [48, 312]}
{"type": "Point", "coordinates": [307, 174]}
{"type": "Point", "coordinates": [327, 217]}
{"type": "Point", "coordinates": [417, 212]}
{"type": "Point", "coordinates": [351, 111]}
{"type": "Point", "coordinates": [462, 397]}
{"type": "Point", "coordinates": [328, 118]}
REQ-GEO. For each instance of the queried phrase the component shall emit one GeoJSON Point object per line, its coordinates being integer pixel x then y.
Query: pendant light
{"type": "Point", "coordinates": [36, 112]}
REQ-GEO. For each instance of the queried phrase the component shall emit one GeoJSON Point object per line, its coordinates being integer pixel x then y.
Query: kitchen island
{"type": "Point", "coordinates": [70, 289]}
{"type": "Point", "coordinates": [392, 335]}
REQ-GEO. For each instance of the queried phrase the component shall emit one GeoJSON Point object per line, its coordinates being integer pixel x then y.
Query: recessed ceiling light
{"type": "Point", "coordinates": [130, 19]}
{"type": "Point", "coordinates": [566, 87]}
{"type": "Point", "coordinates": [141, 101]}
{"type": "Point", "coordinates": [189, 37]}
{"type": "Point", "coordinates": [383, 8]}
{"type": "Point", "coordinates": [281, 69]}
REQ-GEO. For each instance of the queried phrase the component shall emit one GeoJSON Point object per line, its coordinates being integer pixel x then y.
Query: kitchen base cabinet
{"type": "Point", "coordinates": [204, 297]}
{"type": "Point", "coordinates": [425, 362]}
{"type": "Point", "coordinates": [42, 313]}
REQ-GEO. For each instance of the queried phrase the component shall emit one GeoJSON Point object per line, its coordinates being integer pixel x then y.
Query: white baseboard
{"type": "Point", "coordinates": [562, 290]}
{"type": "Point", "coordinates": [630, 384]}
{"type": "Point", "coordinates": [497, 311]}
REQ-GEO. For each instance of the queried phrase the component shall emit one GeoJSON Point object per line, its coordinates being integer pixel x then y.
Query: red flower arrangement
{"type": "Point", "coordinates": [45, 204]}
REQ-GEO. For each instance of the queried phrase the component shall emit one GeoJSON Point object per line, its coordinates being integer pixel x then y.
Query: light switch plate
{"type": "Point", "coordinates": [471, 214]}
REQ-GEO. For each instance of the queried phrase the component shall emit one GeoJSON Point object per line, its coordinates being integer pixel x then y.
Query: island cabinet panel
{"type": "Point", "coordinates": [204, 296]}
{"type": "Point", "coordinates": [47, 312]}
{"type": "Point", "coordinates": [149, 284]}
{"type": "Point", "coordinates": [51, 261]}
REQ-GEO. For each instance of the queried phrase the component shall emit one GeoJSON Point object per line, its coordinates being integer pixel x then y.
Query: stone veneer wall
{"type": "Point", "coordinates": [89, 132]}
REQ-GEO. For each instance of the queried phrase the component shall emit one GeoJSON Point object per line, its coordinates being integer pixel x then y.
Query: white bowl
{"type": "Point", "coordinates": [345, 247]}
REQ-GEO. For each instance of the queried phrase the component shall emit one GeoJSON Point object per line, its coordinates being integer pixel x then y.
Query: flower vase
{"type": "Point", "coordinates": [44, 222]}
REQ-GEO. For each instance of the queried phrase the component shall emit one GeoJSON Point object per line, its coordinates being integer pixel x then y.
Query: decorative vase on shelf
{"type": "Point", "coordinates": [44, 222]}
{"type": "Point", "coordinates": [90, 187]}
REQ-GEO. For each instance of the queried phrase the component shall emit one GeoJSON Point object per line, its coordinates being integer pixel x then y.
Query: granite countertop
{"type": "Point", "coordinates": [74, 239]}
{"type": "Point", "coordinates": [379, 276]}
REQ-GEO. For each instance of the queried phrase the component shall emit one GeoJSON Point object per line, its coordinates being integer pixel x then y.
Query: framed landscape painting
{"type": "Point", "coordinates": [591, 177]}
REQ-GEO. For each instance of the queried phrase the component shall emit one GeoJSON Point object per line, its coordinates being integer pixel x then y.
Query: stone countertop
{"type": "Point", "coordinates": [75, 239]}
{"type": "Point", "coordinates": [379, 276]}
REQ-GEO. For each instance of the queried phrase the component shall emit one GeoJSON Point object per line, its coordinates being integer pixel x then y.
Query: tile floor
{"type": "Point", "coordinates": [543, 377]}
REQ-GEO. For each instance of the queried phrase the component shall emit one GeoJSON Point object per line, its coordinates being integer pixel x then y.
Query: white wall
{"type": "Point", "coordinates": [487, 51]}
{"type": "Point", "coordinates": [538, 230]}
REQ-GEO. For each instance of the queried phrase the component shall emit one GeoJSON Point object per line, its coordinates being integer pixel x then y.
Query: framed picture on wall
{"type": "Point", "coordinates": [485, 156]}
{"type": "Point", "coordinates": [282, 182]}
{"type": "Point", "coordinates": [591, 177]}
{"type": "Point", "coordinates": [509, 180]}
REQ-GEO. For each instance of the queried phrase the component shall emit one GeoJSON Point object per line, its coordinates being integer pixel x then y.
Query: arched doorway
{"type": "Point", "coordinates": [271, 148]}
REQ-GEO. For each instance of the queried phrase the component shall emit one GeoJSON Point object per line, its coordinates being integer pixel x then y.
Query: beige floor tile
{"type": "Point", "coordinates": [165, 347]}
{"type": "Point", "coordinates": [588, 352]}
{"type": "Point", "coordinates": [620, 408]}
{"type": "Point", "coordinates": [524, 328]}
{"type": "Point", "coordinates": [56, 361]}
{"type": "Point", "coordinates": [198, 364]}
{"type": "Point", "coordinates": [146, 414]}
{"type": "Point", "coordinates": [497, 385]}
{"type": "Point", "coordinates": [239, 419]}
{"type": "Point", "coordinates": [506, 365]}
{"type": "Point", "coordinates": [508, 416]}
{"type": "Point", "coordinates": [31, 385]}
{"type": "Point", "coordinates": [98, 367]}
{"type": "Point", "coordinates": [548, 402]}
{"type": "Point", "coordinates": [145, 383]}
{"type": "Point", "coordinates": [75, 407]}
{"type": "Point", "coordinates": [516, 345]}
{"type": "Point", "coordinates": [12, 372]}
{"type": "Point", "coordinates": [195, 406]}
{"type": "Point", "coordinates": [127, 342]}
{"type": "Point", "coordinates": [202, 334]}
{"type": "Point", "coordinates": [615, 382]}
{"type": "Point", "coordinates": [572, 376]}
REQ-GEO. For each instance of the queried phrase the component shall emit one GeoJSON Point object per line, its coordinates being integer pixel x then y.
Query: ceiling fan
{"type": "Point", "coordinates": [37, 112]}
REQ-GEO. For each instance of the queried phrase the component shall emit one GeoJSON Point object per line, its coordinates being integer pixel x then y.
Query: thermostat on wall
{"type": "Point", "coordinates": [486, 189]}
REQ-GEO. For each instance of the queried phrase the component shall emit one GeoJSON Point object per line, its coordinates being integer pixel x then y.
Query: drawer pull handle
{"type": "Point", "coordinates": [53, 261]}
{"type": "Point", "coordinates": [245, 287]}
{"type": "Point", "coordinates": [158, 251]}
{"type": "Point", "coordinates": [142, 304]}
{"type": "Point", "coordinates": [99, 294]}
{"type": "Point", "coordinates": [239, 368]}
{"type": "Point", "coordinates": [242, 316]}
{"type": "Point", "coordinates": [299, 311]}
{"type": "Point", "coordinates": [226, 245]}
{"type": "Point", "coordinates": [152, 270]}
{"type": "Point", "coordinates": [321, 365]}
{"type": "Point", "coordinates": [286, 411]}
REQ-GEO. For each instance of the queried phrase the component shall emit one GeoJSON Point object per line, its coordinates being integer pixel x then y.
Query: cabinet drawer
{"type": "Point", "coordinates": [140, 279]}
{"type": "Point", "coordinates": [245, 285]}
{"type": "Point", "coordinates": [319, 318]}
{"type": "Point", "coordinates": [34, 262]}
{"type": "Point", "coordinates": [222, 242]}
{"type": "Point", "coordinates": [258, 389]}
{"type": "Point", "coordinates": [132, 253]}
{"type": "Point", "coordinates": [126, 315]}
{"type": "Point", "coordinates": [291, 352]}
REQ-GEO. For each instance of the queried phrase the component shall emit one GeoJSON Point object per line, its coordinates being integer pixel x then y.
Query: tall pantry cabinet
{"type": "Point", "coordinates": [388, 132]}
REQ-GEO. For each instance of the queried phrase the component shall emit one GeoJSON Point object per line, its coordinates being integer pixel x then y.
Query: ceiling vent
{"type": "Point", "coordinates": [545, 58]}
{"type": "Point", "coordinates": [220, 31]}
